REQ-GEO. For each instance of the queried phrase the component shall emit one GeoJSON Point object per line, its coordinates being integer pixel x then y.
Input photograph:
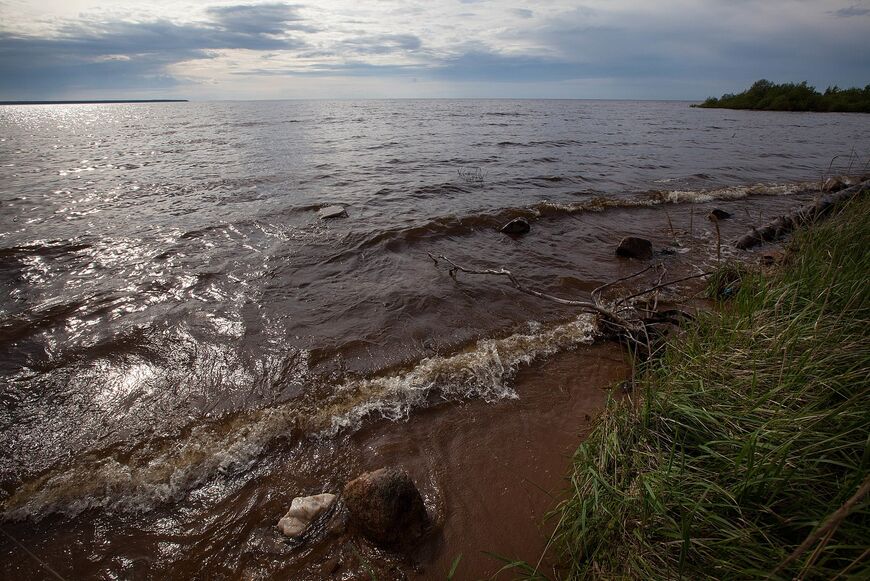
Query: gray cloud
{"type": "Point", "coordinates": [382, 44]}
{"type": "Point", "coordinates": [260, 19]}
{"type": "Point", "coordinates": [669, 51]}
{"type": "Point", "coordinates": [852, 11]}
{"type": "Point", "coordinates": [125, 54]}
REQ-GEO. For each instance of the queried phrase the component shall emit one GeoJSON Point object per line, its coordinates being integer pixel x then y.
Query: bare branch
{"type": "Point", "coordinates": [624, 278]}
{"type": "Point", "coordinates": [593, 307]}
{"type": "Point", "coordinates": [663, 285]}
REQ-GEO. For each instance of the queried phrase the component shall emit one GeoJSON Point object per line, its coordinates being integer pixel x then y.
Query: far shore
{"type": "Point", "coordinates": [94, 102]}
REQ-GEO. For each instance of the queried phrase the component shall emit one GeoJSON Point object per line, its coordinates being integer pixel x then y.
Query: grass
{"type": "Point", "coordinates": [752, 430]}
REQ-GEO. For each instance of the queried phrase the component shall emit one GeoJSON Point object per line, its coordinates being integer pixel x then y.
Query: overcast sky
{"type": "Point", "coordinates": [634, 49]}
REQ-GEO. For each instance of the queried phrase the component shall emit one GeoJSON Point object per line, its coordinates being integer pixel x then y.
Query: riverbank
{"type": "Point", "coordinates": [747, 447]}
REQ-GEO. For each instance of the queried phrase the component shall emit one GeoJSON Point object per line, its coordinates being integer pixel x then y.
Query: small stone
{"type": "Point", "coordinates": [303, 511]}
{"type": "Point", "coordinates": [516, 227]}
{"type": "Point", "coordinates": [718, 214]}
{"type": "Point", "coordinates": [386, 507]}
{"type": "Point", "coordinates": [633, 247]}
{"type": "Point", "coordinates": [332, 212]}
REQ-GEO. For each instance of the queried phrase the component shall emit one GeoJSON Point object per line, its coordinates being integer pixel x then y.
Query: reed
{"type": "Point", "coordinates": [747, 453]}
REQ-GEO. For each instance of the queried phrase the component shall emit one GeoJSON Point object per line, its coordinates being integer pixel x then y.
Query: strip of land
{"type": "Point", "coordinates": [764, 95]}
{"type": "Point", "coordinates": [744, 452]}
{"type": "Point", "coordinates": [95, 102]}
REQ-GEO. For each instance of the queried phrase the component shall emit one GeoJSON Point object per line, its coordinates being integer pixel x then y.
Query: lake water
{"type": "Point", "coordinates": [181, 331]}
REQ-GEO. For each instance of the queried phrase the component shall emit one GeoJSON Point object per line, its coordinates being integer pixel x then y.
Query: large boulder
{"type": "Point", "coordinates": [304, 510]}
{"type": "Point", "coordinates": [633, 247]}
{"type": "Point", "coordinates": [386, 507]}
{"type": "Point", "coordinates": [516, 227]}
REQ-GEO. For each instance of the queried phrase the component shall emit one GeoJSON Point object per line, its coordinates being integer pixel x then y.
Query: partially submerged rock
{"type": "Point", "coordinates": [717, 214]}
{"type": "Point", "coordinates": [386, 507]}
{"type": "Point", "coordinates": [516, 227]}
{"type": "Point", "coordinates": [634, 247]}
{"type": "Point", "coordinates": [304, 510]}
{"type": "Point", "coordinates": [332, 212]}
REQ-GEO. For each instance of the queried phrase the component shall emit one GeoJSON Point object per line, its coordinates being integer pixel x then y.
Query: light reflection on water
{"type": "Point", "coordinates": [164, 265]}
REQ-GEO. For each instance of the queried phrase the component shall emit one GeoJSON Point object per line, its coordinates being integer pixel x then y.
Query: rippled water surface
{"type": "Point", "coordinates": [175, 318]}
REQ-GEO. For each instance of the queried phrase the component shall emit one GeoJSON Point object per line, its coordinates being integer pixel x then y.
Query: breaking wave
{"type": "Point", "coordinates": [165, 470]}
{"type": "Point", "coordinates": [452, 225]}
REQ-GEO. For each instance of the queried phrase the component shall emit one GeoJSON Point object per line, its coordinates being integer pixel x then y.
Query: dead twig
{"type": "Point", "coordinates": [597, 290]}
{"type": "Point", "coordinates": [624, 319]}
{"type": "Point", "coordinates": [663, 285]}
{"type": "Point", "coordinates": [586, 305]}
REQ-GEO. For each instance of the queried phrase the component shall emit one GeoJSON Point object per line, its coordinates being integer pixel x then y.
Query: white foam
{"type": "Point", "coordinates": [482, 372]}
{"type": "Point", "coordinates": [732, 193]}
{"type": "Point", "coordinates": [165, 471]}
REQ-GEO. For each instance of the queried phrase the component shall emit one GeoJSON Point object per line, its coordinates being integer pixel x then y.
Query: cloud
{"type": "Point", "coordinates": [382, 44]}
{"type": "Point", "coordinates": [625, 45]}
{"type": "Point", "coordinates": [852, 11]}
{"type": "Point", "coordinates": [130, 54]}
{"type": "Point", "coordinates": [260, 19]}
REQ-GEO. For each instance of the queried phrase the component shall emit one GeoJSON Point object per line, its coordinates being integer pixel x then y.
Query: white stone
{"type": "Point", "coordinates": [303, 511]}
{"type": "Point", "coordinates": [332, 212]}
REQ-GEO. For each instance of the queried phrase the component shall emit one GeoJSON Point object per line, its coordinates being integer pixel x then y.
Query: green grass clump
{"type": "Point", "coordinates": [752, 430]}
{"type": "Point", "coordinates": [767, 96]}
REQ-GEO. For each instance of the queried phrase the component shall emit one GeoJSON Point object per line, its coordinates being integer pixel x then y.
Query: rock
{"type": "Point", "coordinates": [516, 227]}
{"type": "Point", "coordinates": [834, 184]}
{"type": "Point", "coordinates": [332, 212]}
{"type": "Point", "coordinates": [717, 214]}
{"type": "Point", "coordinates": [633, 247]}
{"type": "Point", "coordinates": [303, 511]}
{"type": "Point", "coordinates": [386, 507]}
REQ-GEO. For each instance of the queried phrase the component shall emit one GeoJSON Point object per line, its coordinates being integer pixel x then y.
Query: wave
{"type": "Point", "coordinates": [452, 225]}
{"type": "Point", "coordinates": [165, 470]}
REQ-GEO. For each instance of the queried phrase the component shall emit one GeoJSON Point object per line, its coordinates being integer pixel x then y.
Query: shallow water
{"type": "Point", "coordinates": [178, 325]}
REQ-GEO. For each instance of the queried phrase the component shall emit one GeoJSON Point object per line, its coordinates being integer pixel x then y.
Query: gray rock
{"type": "Point", "coordinates": [332, 212]}
{"type": "Point", "coordinates": [516, 227]}
{"type": "Point", "coordinates": [386, 507]}
{"type": "Point", "coordinates": [633, 247]}
{"type": "Point", "coordinates": [304, 510]}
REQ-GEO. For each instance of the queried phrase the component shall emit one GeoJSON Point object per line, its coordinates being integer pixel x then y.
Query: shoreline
{"type": "Point", "coordinates": [480, 464]}
{"type": "Point", "coordinates": [719, 463]}
{"type": "Point", "coordinates": [95, 102]}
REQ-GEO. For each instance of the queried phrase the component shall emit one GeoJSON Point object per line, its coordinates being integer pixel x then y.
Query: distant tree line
{"type": "Point", "coordinates": [767, 96]}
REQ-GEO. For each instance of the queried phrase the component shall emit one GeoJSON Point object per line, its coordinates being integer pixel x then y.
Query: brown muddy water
{"type": "Point", "coordinates": [186, 346]}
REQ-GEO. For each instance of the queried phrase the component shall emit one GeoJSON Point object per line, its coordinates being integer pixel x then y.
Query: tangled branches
{"type": "Point", "coordinates": [623, 317]}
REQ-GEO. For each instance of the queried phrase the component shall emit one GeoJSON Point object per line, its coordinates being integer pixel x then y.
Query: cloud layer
{"type": "Point", "coordinates": [554, 48]}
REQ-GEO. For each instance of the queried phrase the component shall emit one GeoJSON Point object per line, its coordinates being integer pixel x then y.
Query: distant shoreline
{"type": "Point", "coordinates": [764, 95]}
{"type": "Point", "coordinates": [94, 102]}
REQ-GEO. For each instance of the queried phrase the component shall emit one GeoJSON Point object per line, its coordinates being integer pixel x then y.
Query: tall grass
{"type": "Point", "coordinates": [752, 430]}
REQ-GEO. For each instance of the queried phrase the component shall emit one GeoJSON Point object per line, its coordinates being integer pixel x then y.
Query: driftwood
{"type": "Point", "coordinates": [619, 318]}
{"type": "Point", "coordinates": [806, 214]}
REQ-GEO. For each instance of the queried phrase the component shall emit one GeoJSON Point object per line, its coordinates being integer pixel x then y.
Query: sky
{"type": "Point", "coordinates": [593, 49]}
